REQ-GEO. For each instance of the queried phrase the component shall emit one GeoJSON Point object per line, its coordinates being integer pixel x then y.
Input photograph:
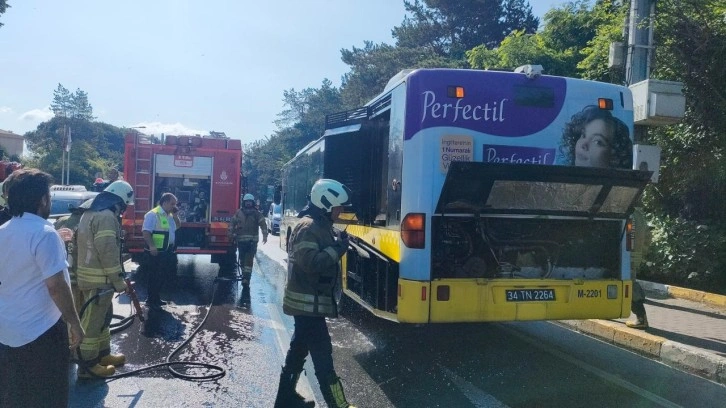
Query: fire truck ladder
{"type": "Point", "coordinates": [142, 176]}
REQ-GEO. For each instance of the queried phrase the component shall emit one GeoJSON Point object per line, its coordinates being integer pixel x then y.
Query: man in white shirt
{"type": "Point", "coordinates": [35, 300]}
{"type": "Point", "coordinates": [160, 261]}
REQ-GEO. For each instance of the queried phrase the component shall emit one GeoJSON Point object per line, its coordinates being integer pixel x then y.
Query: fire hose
{"type": "Point", "coordinates": [217, 371]}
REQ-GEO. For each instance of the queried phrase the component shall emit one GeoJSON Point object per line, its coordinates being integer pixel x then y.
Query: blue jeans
{"type": "Point", "coordinates": [311, 336]}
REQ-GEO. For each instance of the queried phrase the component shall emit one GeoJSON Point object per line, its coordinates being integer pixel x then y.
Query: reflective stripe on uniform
{"type": "Point", "coordinates": [306, 303]}
{"type": "Point", "coordinates": [304, 245]}
{"type": "Point", "coordinates": [105, 234]}
{"type": "Point", "coordinates": [92, 275]}
{"type": "Point", "coordinates": [308, 308]}
{"type": "Point", "coordinates": [247, 238]}
{"type": "Point", "coordinates": [332, 252]}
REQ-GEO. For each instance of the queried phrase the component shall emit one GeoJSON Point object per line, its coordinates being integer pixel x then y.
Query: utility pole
{"type": "Point", "coordinates": [640, 40]}
{"type": "Point", "coordinates": [63, 155]}
{"type": "Point", "coordinates": [68, 156]}
{"type": "Point", "coordinates": [639, 48]}
{"type": "Point", "coordinates": [655, 102]}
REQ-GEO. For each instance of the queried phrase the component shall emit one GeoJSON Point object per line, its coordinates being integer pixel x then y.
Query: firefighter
{"type": "Point", "coordinates": [100, 273]}
{"type": "Point", "coordinates": [313, 274]}
{"type": "Point", "coordinates": [67, 226]}
{"type": "Point", "coordinates": [244, 229]}
{"type": "Point", "coordinates": [160, 260]}
{"type": "Point", "coordinates": [641, 242]}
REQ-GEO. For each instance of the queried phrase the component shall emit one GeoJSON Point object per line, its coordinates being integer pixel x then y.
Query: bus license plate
{"type": "Point", "coordinates": [530, 295]}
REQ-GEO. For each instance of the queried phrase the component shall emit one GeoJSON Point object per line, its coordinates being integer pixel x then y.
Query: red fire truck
{"type": "Point", "coordinates": [7, 167]}
{"type": "Point", "coordinates": [204, 175]}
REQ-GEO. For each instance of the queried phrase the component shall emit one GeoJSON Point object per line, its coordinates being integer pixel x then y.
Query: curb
{"type": "Point", "coordinates": [673, 354]}
{"type": "Point", "coordinates": [683, 293]}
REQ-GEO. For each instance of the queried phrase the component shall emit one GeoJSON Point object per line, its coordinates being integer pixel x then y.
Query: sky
{"type": "Point", "coordinates": [182, 67]}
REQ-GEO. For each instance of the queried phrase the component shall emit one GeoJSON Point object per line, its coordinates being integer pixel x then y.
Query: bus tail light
{"type": "Point", "coordinates": [605, 103]}
{"type": "Point", "coordinates": [413, 231]}
{"type": "Point", "coordinates": [629, 235]}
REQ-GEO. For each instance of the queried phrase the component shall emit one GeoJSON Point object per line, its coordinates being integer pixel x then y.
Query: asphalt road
{"type": "Point", "coordinates": [383, 364]}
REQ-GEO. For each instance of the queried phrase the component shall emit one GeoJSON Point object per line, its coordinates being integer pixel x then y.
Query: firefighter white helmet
{"type": "Point", "coordinates": [248, 197]}
{"type": "Point", "coordinates": [327, 193]}
{"type": "Point", "coordinates": [123, 190]}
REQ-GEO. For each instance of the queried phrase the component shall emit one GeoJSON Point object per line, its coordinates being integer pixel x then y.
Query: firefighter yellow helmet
{"type": "Point", "coordinates": [328, 193]}
{"type": "Point", "coordinates": [123, 190]}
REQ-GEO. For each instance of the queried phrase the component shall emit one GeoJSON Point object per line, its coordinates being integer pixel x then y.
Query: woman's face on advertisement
{"type": "Point", "coordinates": [593, 147]}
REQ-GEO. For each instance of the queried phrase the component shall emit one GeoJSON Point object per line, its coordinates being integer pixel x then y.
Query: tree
{"type": "Point", "coordinates": [62, 104]}
{"type": "Point", "coordinates": [688, 203]}
{"type": "Point", "coordinates": [451, 27]}
{"type": "Point", "coordinates": [96, 147]}
{"type": "Point", "coordinates": [3, 7]}
{"type": "Point", "coordinates": [372, 66]}
{"type": "Point", "coordinates": [574, 42]}
{"type": "Point", "coordinates": [82, 109]}
{"type": "Point", "coordinates": [520, 49]}
{"type": "Point", "coordinates": [435, 34]}
{"type": "Point", "coordinates": [608, 18]}
{"type": "Point", "coordinates": [301, 121]}
{"type": "Point", "coordinates": [71, 105]}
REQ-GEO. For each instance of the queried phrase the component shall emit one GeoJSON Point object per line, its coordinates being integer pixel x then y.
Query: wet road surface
{"type": "Point", "coordinates": [383, 364]}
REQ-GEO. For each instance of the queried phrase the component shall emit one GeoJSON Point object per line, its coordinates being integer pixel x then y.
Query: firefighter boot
{"type": "Point", "coordinates": [333, 393]}
{"type": "Point", "coordinates": [640, 322]}
{"type": "Point", "coordinates": [641, 319]}
{"type": "Point", "coordinates": [97, 371]}
{"type": "Point", "coordinates": [287, 397]}
{"type": "Point", "coordinates": [113, 360]}
{"type": "Point", "coordinates": [246, 275]}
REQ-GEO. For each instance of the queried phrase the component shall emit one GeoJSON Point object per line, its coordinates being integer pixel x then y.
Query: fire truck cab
{"type": "Point", "coordinates": [202, 172]}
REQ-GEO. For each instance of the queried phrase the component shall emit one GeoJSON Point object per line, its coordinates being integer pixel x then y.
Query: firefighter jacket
{"type": "Point", "coordinates": [641, 241]}
{"type": "Point", "coordinates": [313, 268]}
{"type": "Point", "coordinates": [245, 224]}
{"type": "Point", "coordinates": [71, 222]}
{"type": "Point", "coordinates": [99, 251]}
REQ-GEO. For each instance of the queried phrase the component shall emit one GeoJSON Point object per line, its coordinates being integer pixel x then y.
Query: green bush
{"type": "Point", "coordinates": [687, 254]}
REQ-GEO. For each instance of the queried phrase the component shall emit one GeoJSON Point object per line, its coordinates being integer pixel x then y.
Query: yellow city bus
{"type": "Point", "coordinates": [481, 196]}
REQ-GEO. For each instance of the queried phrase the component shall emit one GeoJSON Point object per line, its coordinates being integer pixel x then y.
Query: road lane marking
{"type": "Point", "coordinates": [596, 371]}
{"type": "Point", "coordinates": [475, 395]}
{"type": "Point", "coordinates": [283, 341]}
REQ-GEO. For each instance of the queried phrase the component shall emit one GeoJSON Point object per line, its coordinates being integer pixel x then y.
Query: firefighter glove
{"type": "Point", "coordinates": [119, 285]}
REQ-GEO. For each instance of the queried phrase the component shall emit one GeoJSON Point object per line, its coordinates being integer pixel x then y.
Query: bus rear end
{"type": "Point", "coordinates": [519, 189]}
{"type": "Point", "coordinates": [529, 243]}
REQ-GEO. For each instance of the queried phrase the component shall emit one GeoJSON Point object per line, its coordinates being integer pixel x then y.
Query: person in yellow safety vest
{"type": "Point", "coordinates": [100, 273]}
{"type": "Point", "coordinates": [313, 273]}
{"type": "Point", "coordinates": [160, 260]}
{"type": "Point", "coordinates": [641, 242]}
{"type": "Point", "coordinates": [244, 228]}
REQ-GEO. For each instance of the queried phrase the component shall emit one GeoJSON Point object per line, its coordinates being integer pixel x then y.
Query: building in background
{"type": "Point", "coordinates": [11, 143]}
